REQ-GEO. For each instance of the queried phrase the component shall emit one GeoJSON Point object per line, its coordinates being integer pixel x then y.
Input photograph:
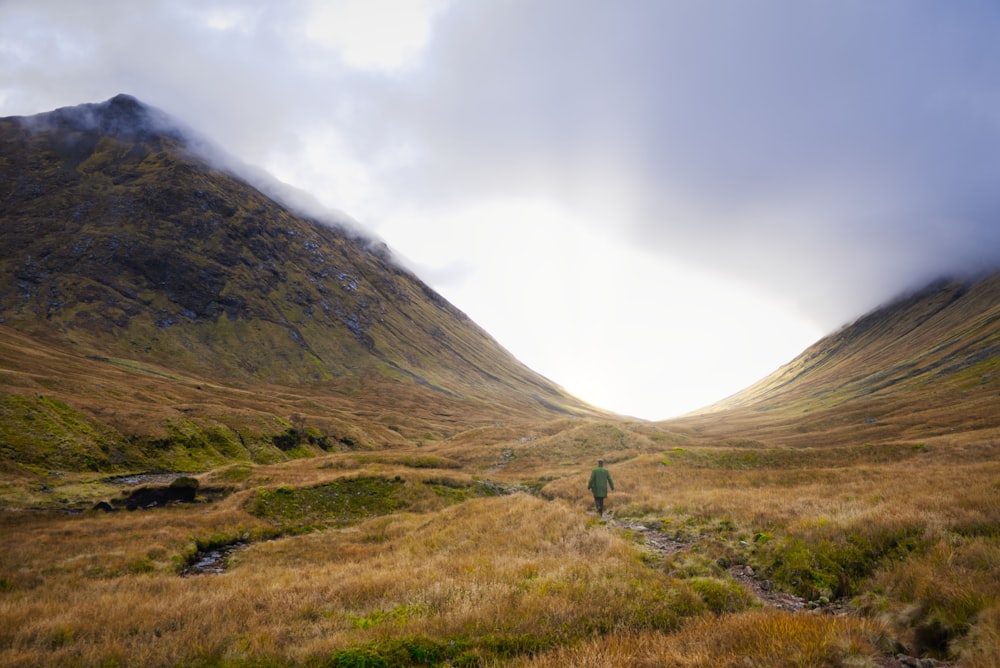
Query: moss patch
{"type": "Point", "coordinates": [341, 501]}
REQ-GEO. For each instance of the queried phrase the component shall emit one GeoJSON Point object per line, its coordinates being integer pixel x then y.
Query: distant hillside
{"type": "Point", "coordinates": [923, 365]}
{"type": "Point", "coordinates": [125, 250]}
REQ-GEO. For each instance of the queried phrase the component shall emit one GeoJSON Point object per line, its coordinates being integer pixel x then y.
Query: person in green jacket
{"type": "Point", "coordinates": [600, 481]}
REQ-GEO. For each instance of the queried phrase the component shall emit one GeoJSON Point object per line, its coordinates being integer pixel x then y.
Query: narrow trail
{"type": "Point", "coordinates": [664, 544]}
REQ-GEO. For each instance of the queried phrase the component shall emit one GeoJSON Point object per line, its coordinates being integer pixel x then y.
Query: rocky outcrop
{"type": "Point", "coordinates": [181, 490]}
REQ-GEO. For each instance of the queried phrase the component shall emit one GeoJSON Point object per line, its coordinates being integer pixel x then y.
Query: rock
{"type": "Point", "coordinates": [152, 496]}
{"type": "Point", "coordinates": [185, 482]}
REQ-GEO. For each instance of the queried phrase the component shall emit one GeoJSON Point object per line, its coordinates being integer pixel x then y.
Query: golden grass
{"type": "Point", "coordinates": [508, 567]}
{"type": "Point", "coordinates": [759, 638]}
{"type": "Point", "coordinates": [907, 535]}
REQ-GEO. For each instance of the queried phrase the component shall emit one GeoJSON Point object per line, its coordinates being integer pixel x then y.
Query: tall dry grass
{"type": "Point", "coordinates": [905, 537]}
{"type": "Point", "coordinates": [508, 568]}
{"type": "Point", "coordinates": [758, 638]}
{"type": "Point", "coordinates": [909, 532]}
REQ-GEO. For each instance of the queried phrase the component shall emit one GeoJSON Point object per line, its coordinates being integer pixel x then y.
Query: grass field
{"type": "Point", "coordinates": [482, 549]}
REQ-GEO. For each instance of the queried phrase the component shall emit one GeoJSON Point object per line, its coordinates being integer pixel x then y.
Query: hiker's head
{"type": "Point", "coordinates": [600, 462]}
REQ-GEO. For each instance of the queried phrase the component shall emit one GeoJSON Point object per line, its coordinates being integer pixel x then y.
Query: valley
{"type": "Point", "coordinates": [235, 435]}
{"type": "Point", "coordinates": [436, 554]}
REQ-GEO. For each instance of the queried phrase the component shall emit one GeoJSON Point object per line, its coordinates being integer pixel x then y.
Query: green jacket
{"type": "Point", "coordinates": [600, 480]}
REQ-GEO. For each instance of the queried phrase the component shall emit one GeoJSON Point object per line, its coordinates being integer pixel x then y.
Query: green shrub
{"type": "Point", "coordinates": [287, 440]}
{"type": "Point", "coordinates": [722, 596]}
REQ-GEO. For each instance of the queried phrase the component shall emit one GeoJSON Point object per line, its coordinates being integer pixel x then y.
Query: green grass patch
{"type": "Point", "coordinates": [456, 491]}
{"type": "Point", "coordinates": [834, 562]}
{"type": "Point", "coordinates": [342, 501]}
{"type": "Point", "coordinates": [398, 615]}
{"type": "Point", "coordinates": [235, 473]}
{"type": "Point", "coordinates": [38, 430]}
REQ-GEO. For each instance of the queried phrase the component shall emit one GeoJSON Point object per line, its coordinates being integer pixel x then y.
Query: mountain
{"type": "Point", "coordinates": [164, 308]}
{"type": "Point", "coordinates": [923, 366]}
{"type": "Point", "coordinates": [152, 297]}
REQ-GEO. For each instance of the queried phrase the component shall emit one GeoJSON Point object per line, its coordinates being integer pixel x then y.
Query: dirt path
{"type": "Point", "coordinates": [665, 544]}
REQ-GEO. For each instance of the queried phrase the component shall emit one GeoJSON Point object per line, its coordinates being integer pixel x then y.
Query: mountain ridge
{"type": "Point", "coordinates": [122, 116]}
{"type": "Point", "coordinates": [952, 321]}
{"type": "Point", "coordinates": [924, 366]}
{"type": "Point", "coordinates": [179, 211]}
{"type": "Point", "coordinates": [178, 316]}
{"type": "Point", "coordinates": [129, 246]}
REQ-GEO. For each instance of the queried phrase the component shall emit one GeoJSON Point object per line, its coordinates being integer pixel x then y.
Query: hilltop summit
{"type": "Point", "coordinates": [122, 243]}
{"type": "Point", "coordinates": [123, 117]}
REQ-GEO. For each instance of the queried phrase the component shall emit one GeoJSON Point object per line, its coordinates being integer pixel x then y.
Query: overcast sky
{"type": "Point", "coordinates": [654, 203]}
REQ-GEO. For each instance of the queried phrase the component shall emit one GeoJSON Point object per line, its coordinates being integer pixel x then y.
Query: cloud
{"type": "Point", "coordinates": [373, 34]}
{"type": "Point", "coordinates": [811, 159]}
{"type": "Point", "coordinates": [841, 151]}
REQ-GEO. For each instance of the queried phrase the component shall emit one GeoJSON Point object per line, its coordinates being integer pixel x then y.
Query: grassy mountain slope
{"type": "Point", "coordinates": [926, 365]}
{"type": "Point", "coordinates": [123, 247]}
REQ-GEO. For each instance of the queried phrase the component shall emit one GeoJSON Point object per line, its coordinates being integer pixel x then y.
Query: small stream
{"type": "Point", "coordinates": [208, 562]}
{"type": "Point", "coordinates": [214, 561]}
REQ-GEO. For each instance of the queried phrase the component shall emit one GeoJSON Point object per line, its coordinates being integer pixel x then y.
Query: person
{"type": "Point", "coordinates": [600, 481]}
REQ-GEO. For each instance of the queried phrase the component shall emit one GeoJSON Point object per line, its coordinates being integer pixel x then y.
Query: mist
{"type": "Point", "coordinates": [833, 153]}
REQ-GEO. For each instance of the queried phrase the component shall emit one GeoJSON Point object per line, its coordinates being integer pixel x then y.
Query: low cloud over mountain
{"type": "Point", "coordinates": [819, 157]}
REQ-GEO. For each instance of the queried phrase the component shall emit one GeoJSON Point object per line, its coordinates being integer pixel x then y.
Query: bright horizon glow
{"type": "Point", "coordinates": [622, 329]}
{"type": "Point", "coordinates": [616, 327]}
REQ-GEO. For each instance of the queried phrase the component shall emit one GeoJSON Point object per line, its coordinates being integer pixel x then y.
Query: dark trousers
{"type": "Point", "coordinates": [599, 502]}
